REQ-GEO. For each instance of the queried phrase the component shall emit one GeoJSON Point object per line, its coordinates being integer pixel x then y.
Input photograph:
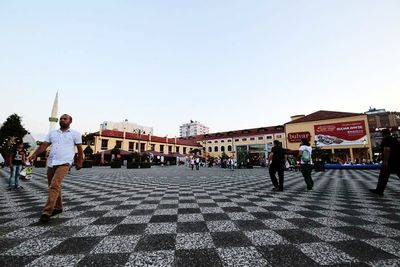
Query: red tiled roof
{"type": "Point", "coordinates": [146, 137]}
{"type": "Point", "coordinates": [237, 133]}
{"type": "Point", "coordinates": [324, 115]}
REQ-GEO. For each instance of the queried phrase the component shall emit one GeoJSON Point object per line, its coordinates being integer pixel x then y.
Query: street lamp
{"type": "Point", "coordinates": [139, 132]}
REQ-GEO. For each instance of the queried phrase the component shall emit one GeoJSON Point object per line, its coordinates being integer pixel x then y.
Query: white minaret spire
{"type": "Point", "coordinates": [53, 119]}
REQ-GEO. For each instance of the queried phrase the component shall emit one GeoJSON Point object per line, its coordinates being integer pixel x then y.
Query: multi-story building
{"type": "Point", "coordinates": [126, 126]}
{"type": "Point", "coordinates": [193, 128]}
{"type": "Point", "coordinates": [255, 143]}
{"type": "Point", "coordinates": [379, 119]}
{"type": "Point", "coordinates": [136, 142]}
{"type": "Point", "coordinates": [342, 136]}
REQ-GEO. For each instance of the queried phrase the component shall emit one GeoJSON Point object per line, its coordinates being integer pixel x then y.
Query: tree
{"type": "Point", "coordinates": [195, 151]}
{"type": "Point", "coordinates": [11, 132]}
{"type": "Point", "coordinates": [243, 156]}
{"type": "Point", "coordinates": [88, 151]}
{"type": "Point", "coordinates": [224, 156]}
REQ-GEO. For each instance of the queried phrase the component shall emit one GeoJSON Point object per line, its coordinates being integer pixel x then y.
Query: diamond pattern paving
{"type": "Point", "coordinates": [174, 216]}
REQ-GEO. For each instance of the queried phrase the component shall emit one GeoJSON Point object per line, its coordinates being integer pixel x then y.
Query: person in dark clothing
{"type": "Point", "coordinates": [16, 161]}
{"type": "Point", "coordinates": [276, 163]}
{"type": "Point", "coordinates": [390, 147]}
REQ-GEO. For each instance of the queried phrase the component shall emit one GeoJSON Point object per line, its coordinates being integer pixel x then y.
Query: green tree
{"type": "Point", "coordinates": [224, 156]}
{"type": "Point", "coordinates": [11, 132]}
{"type": "Point", "coordinates": [195, 151]}
{"type": "Point", "coordinates": [88, 151]}
{"type": "Point", "coordinates": [243, 156]}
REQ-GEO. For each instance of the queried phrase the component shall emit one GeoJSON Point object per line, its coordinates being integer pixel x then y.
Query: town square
{"type": "Point", "coordinates": [200, 133]}
{"type": "Point", "coordinates": [172, 216]}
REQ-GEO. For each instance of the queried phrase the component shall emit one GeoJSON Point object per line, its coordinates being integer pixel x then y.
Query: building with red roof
{"type": "Point", "coordinates": [342, 136]}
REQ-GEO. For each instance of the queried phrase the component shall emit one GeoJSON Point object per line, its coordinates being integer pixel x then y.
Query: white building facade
{"type": "Point", "coordinates": [193, 128]}
{"type": "Point", "coordinates": [126, 126]}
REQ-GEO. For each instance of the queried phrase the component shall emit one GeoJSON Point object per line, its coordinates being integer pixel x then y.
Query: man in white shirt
{"type": "Point", "coordinates": [63, 142]}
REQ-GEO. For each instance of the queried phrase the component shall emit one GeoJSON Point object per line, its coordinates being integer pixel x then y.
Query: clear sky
{"type": "Point", "coordinates": [228, 64]}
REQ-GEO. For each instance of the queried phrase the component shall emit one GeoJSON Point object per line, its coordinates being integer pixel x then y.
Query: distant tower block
{"type": "Point", "coordinates": [53, 119]}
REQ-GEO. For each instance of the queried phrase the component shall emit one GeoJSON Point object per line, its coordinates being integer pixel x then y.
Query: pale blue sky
{"type": "Point", "coordinates": [228, 64]}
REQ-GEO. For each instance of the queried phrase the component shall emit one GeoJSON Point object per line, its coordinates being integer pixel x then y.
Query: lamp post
{"type": "Point", "coordinates": [124, 134]}
{"type": "Point", "coordinates": [139, 132]}
{"type": "Point", "coordinates": [364, 142]}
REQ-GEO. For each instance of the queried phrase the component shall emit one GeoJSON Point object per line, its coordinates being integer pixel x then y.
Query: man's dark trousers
{"type": "Point", "coordinates": [280, 168]}
{"type": "Point", "coordinates": [384, 177]}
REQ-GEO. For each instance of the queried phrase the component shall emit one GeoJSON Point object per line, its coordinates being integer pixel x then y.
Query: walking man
{"type": "Point", "coordinates": [63, 142]}
{"type": "Point", "coordinates": [391, 161]}
{"type": "Point", "coordinates": [276, 163]}
{"type": "Point", "coordinates": [305, 152]}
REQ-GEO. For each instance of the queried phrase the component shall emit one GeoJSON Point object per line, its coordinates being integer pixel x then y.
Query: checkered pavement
{"type": "Point", "coordinates": [173, 216]}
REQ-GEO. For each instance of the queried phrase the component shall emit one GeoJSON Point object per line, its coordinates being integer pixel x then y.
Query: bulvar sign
{"type": "Point", "coordinates": [296, 137]}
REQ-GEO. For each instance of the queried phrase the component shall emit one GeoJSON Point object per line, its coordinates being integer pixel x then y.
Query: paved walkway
{"type": "Point", "coordinates": [173, 216]}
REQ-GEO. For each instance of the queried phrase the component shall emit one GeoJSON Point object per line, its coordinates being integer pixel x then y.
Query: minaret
{"type": "Point", "coordinates": [53, 119]}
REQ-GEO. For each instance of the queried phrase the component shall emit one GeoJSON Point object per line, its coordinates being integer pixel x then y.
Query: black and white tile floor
{"type": "Point", "coordinates": [177, 217]}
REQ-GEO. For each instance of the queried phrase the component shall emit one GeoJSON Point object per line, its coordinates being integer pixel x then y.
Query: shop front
{"type": "Point", "coordinates": [253, 154]}
{"type": "Point", "coordinates": [336, 137]}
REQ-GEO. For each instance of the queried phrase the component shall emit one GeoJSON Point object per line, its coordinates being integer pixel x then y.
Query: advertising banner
{"type": "Point", "coordinates": [341, 134]}
{"type": "Point", "coordinates": [297, 136]}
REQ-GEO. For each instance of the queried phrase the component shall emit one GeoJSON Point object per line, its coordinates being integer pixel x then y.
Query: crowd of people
{"type": "Point", "coordinates": [62, 155]}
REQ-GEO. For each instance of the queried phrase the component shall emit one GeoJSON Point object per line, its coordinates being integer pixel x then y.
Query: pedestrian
{"type": "Point", "coordinates": [305, 152]}
{"type": "Point", "coordinates": [390, 148]}
{"type": "Point", "coordinates": [63, 142]}
{"type": "Point", "coordinates": [276, 163]}
{"type": "Point", "coordinates": [16, 161]}
{"type": "Point", "coordinates": [192, 162]}
{"type": "Point", "coordinates": [197, 162]}
{"type": "Point", "coordinates": [231, 164]}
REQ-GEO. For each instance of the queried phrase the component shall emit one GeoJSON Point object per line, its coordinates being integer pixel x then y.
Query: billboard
{"type": "Point", "coordinates": [297, 136]}
{"type": "Point", "coordinates": [341, 134]}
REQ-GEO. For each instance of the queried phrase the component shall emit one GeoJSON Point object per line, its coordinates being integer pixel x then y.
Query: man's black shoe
{"type": "Point", "coordinates": [55, 212]}
{"type": "Point", "coordinates": [376, 192]}
{"type": "Point", "coordinates": [44, 218]}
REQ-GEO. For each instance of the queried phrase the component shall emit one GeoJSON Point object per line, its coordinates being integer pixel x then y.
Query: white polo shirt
{"type": "Point", "coordinates": [62, 146]}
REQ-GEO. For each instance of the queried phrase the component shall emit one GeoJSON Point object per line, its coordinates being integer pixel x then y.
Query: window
{"type": "Point", "coordinates": [162, 148]}
{"type": "Point", "coordinates": [268, 137]}
{"type": "Point", "coordinates": [229, 148]}
{"type": "Point", "coordinates": [216, 141]}
{"type": "Point", "coordinates": [104, 144]}
{"type": "Point", "coordinates": [177, 149]}
{"type": "Point", "coordinates": [142, 147]}
{"type": "Point", "coordinates": [222, 141]}
{"type": "Point", "coordinates": [153, 147]}
{"type": "Point", "coordinates": [184, 150]}
{"type": "Point", "coordinates": [209, 149]}
{"type": "Point", "coordinates": [229, 140]}
{"type": "Point", "coordinates": [169, 149]}
{"type": "Point", "coordinates": [137, 146]}
{"type": "Point", "coordinates": [131, 145]}
{"type": "Point", "coordinates": [222, 149]}
{"type": "Point", "coordinates": [244, 139]}
{"type": "Point", "coordinates": [236, 140]}
{"type": "Point", "coordinates": [252, 139]}
{"type": "Point", "coordinates": [209, 142]}
{"type": "Point", "coordinates": [260, 138]}
{"type": "Point", "coordinates": [215, 149]}
{"type": "Point", "coordinates": [118, 144]}
{"type": "Point", "coordinates": [278, 136]}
